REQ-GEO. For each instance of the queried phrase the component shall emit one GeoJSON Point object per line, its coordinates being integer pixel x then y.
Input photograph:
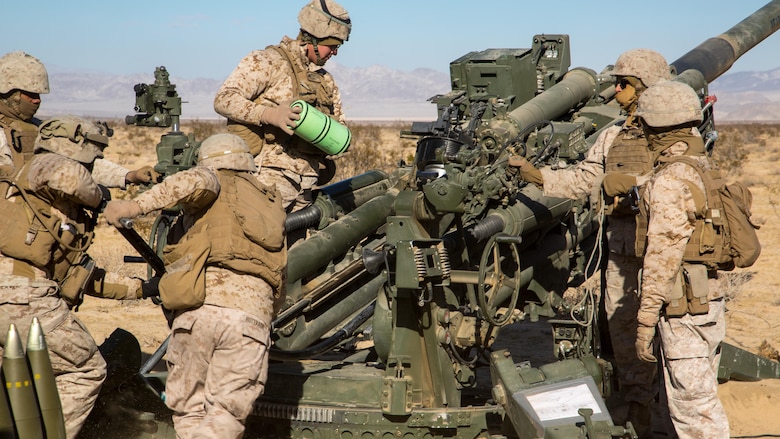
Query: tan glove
{"type": "Point", "coordinates": [144, 175]}
{"type": "Point", "coordinates": [644, 343]}
{"type": "Point", "coordinates": [117, 209]}
{"type": "Point", "coordinates": [282, 116]}
{"type": "Point", "coordinates": [618, 184]}
{"type": "Point", "coordinates": [527, 171]}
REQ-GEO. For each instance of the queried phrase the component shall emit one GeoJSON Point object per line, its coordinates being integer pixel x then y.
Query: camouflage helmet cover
{"type": "Point", "coordinates": [72, 137]}
{"type": "Point", "coordinates": [226, 151]}
{"type": "Point", "coordinates": [21, 71]}
{"type": "Point", "coordinates": [646, 64]}
{"type": "Point", "coordinates": [325, 19]}
{"type": "Point", "coordinates": [669, 103]}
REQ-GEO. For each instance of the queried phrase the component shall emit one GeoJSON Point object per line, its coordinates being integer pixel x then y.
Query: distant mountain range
{"type": "Point", "coordinates": [374, 93]}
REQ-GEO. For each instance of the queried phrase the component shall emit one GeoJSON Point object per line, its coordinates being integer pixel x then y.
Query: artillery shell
{"type": "Point", "coordinates": [18, 384]}
{"type": "Point", "coordinates": [7, 430]}
{"type": "Point", "coordinates": [44, 383]}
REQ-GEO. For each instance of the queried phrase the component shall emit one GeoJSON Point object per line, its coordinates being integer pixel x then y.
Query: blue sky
{"type": "Point", "coordinates": [206, 39]}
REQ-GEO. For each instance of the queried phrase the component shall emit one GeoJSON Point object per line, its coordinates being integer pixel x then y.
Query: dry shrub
{"type": "Point", "coordinates": [737, 140]}
{"type": "Point", "coordinates": [374, 147]}
{"type": "Point", "coordinates": [766, 350]}
{"type": "Point", "coordinates": [731, 148]}
{"type": "Point", "coordinates": [732, 282]}
{"type": "Point", "coordinates": [202, 129]}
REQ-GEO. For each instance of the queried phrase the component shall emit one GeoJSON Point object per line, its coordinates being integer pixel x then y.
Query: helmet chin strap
{"type": "Point", "coordinates": [319, 61]}
{"type": "Point", "coordinates": [315, 42]}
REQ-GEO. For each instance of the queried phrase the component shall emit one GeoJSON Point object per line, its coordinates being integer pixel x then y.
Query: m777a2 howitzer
{"type": "Point", "coordinates": [397, 299]}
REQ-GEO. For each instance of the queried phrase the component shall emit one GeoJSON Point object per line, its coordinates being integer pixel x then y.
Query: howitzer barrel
{"type": "Point", "coordinates": [317, 250]}
{"type": "Point", "coordinates": [576, 88]}
{"type": "Point", "coordinates": [716, 55]}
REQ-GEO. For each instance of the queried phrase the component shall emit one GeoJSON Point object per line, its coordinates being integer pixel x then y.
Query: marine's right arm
{"type": "Point", "coordinates": [235, 99]}
{"type": "Point", "coordinates": [191, 189]}
{"type": "Point", "coordinates": [578, 180]}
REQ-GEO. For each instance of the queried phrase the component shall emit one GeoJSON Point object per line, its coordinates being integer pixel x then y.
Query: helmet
{"type": "Point", "coordinates": [19, 70]}
{"type": "Point", "coordinates": [647, 65]}
{"type": "Point", "coordinates": [669, 103]}
{"type": "Point", "coordinates": [72, 137]}
{"type": "Point", "coordinates": [226, 151]}
{"type": "Point", "coordinates": [325, 19]}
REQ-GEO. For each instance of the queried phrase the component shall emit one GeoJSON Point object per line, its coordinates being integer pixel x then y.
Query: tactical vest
{"type": "Point", "coordinates": [21, 138]}
{"type": "Point", "coordinates": [245, 227]}
{"type": "Point", "coordinates": [39, 237]}
{"type": "Point", "coordinates": [309, 87]}
{"type": "Point", "coordinates": [629, 154]}
{"type": "Point", "coordinates": [706, 244]}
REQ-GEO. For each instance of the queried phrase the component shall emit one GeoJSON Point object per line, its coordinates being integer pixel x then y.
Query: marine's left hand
{"type": "Point", "coordinates": [644, 343]}
{"type": "Point", "coordinates": [618, 184]}
{"type": "Point", "coordinates": [143, 175]}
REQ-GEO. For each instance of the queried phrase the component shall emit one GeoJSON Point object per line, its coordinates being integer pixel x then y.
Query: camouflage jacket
{"type": "Point", "coordinates": [671, 221]}
{"type": "Point", "coordinates": [265, 78]}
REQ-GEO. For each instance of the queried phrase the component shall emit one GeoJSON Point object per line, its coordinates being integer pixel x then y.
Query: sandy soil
{"type": "Point", "coordinates": [753, 313]}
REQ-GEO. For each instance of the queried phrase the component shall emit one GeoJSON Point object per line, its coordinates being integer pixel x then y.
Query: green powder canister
{"type": "Point", "coordinates": [321, 130]}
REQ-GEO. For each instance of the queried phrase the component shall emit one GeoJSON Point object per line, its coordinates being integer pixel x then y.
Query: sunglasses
{"type": "Point", "coordinates": [625, 81]}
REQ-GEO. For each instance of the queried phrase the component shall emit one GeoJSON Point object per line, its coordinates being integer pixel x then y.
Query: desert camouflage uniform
{"type": "Point", "coordinates": [637, 379]}
{"type": "Point", "coordinates": [265, 78]}
{"type": "Point", "coordinates": [28, 292]}
{"type": "Point", "coordinates": [104, 172]}
{"type": "Point", "coordinates": [217, 356]}
{"type": "Point", "coordinates": [689, 344]}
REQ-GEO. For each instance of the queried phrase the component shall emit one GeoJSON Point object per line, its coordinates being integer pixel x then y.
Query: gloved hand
{"type": "Point", "coordinates": [644, 343]}
{"type": "Point", "coordinates": [282, 116]}
{"type": "Point", "coordinates": [143, 175]}
{"type": "Point", "coordinates": [618, 184]}
{"type": "Point", "coordinates": [149, 288]}
{"type": "Point", "coordinates": [116, 209]}
{"type": "Point", "coordinates": [527, 171]}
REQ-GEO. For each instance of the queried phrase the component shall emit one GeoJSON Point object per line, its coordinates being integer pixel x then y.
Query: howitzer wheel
{"type": "Point", "coordinates": [489, 298]}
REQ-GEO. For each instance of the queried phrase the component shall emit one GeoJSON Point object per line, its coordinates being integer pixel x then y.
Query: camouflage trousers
{"type": "Point", "coordinates": [637, 379]}
{"type": "Point", "coordinates": [79, 369]}
{"type": "Point", "coordinates": [294, 188]}
{"type": "Point", "coordinates": [691, 356]}
{"type": "Point", "coordinates": [217, 367]}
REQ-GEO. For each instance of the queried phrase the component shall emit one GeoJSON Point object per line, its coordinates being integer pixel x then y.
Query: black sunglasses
{"type": "Point", "coordinates": [625, 81]}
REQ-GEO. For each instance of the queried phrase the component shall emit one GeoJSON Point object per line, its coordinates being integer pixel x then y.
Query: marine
{"type": "Point", "coordinates": [225, 271]}
{"type": "Point", "coordinates": [618, 160]}
{"type": "Point", "coordinates": [692, 329]}
{"type": "Point", "coordinates": [255, 98]}
{"type": "Point", "coordinates": [44, 266]}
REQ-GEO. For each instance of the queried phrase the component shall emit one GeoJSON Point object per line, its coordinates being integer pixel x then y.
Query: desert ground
{"type": "Point", "coordinates": [753, 299]}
